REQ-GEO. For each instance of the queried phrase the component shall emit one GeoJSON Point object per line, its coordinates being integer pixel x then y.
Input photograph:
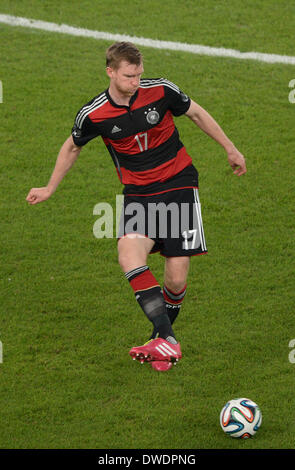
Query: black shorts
{"type": "Point", "coordinates": [172, 219]}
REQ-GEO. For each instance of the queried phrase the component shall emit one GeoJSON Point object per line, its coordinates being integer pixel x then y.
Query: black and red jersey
{"type": "Point", "coordinates": [141, 138]}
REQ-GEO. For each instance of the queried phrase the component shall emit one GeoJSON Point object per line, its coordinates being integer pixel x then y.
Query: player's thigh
{"type": "Point", "coordinates": [133, 250]}
{"type": "Point", "coordinates": [176, 272]}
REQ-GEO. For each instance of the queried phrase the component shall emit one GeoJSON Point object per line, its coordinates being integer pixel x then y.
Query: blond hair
{"type": "Point", "coordinates": [122, 51]}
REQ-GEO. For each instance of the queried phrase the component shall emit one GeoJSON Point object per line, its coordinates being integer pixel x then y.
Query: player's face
{"type": "Point", "coordinates": [126, 78]}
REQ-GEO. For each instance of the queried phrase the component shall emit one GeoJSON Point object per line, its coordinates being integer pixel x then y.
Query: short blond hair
{"type": "Point", "coordinates": [122, 51]}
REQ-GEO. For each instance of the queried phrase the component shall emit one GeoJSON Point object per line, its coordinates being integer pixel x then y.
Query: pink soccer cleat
{"type": "Point", "coordinates": [156, 350]}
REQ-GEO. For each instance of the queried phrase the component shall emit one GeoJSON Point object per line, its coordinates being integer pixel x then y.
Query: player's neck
{"type": "Point", "coordinates": [118, 97]}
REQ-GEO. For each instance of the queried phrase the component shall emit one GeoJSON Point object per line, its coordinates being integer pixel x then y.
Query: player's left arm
{"type": "Point", "coordinates": [208, 125]}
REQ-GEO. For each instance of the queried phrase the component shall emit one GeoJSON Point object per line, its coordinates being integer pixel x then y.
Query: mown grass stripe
{"type": "Point", "coordinates": [147, 42]}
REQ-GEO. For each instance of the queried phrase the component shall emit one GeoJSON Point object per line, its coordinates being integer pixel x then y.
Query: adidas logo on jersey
{"type": "Point", "coordinates": [116, 129]}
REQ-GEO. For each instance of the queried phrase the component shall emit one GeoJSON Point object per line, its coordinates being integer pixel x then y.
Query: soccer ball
{"type": "Point", "coordinates": [241, 418]}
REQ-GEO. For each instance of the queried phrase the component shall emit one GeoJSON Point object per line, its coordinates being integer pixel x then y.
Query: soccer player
{"type": "Point", "coordinates": [135, 118]}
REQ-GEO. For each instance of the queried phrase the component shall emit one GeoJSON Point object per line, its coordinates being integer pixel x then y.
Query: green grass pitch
{"type": "Point", "coordinates": [68, 316]}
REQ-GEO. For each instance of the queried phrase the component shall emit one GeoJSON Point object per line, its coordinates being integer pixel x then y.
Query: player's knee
{"type": "Point", "coordinates": [129, 260]}
{"type": "Point", "coordinates": [176, 273]}
{"type": "Point", "coordinates": [133, 252]}
{"type": "Point", "coordinates": [176, 283]}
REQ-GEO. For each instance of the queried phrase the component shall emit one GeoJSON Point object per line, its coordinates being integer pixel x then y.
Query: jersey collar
{"type": "Point", "coordinates": [113, 103]}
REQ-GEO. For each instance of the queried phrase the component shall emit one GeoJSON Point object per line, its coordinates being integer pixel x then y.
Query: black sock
{"type": "Point", "coordinates": [150, 298]}
{"type": "Point", "coordinates": [173, 302]}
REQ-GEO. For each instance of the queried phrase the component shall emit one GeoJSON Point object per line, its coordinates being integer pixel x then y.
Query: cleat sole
{"type": "Point", "coordinates": [161, 366]}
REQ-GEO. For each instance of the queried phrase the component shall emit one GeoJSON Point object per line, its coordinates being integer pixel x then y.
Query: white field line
{"type": "Point", "coordinates": [167, 45]}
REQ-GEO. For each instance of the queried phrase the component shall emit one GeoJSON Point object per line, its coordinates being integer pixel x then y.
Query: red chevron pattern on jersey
{"type": "Point", "coordinates": [160, 173]}
{"type": "Point", "coordinates": [150, 139]}
{"type": "Point", "coordinates": [148, 94]}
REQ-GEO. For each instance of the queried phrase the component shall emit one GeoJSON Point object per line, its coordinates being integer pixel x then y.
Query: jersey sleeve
{"type": "Point", "coordinates": [83, 129]}
{"type": "Point", "coordinates": [178, 101]}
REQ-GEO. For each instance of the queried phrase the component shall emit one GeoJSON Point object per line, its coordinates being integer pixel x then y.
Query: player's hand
{"type": "Point", "coordinates": [37, 195]}
{"type": "Point", "coordinates": [237, 161]}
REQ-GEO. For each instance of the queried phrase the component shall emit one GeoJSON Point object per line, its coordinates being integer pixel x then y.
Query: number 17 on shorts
{"type": "Point", "coordinates": [192, 225]}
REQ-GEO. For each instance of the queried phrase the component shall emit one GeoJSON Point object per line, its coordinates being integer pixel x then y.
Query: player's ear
{"type": "Point", "coordinates": [110, 72]}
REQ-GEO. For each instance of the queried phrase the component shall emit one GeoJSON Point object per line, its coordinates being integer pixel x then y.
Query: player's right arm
{"type": "Point", "coordinates": [67, 156]}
